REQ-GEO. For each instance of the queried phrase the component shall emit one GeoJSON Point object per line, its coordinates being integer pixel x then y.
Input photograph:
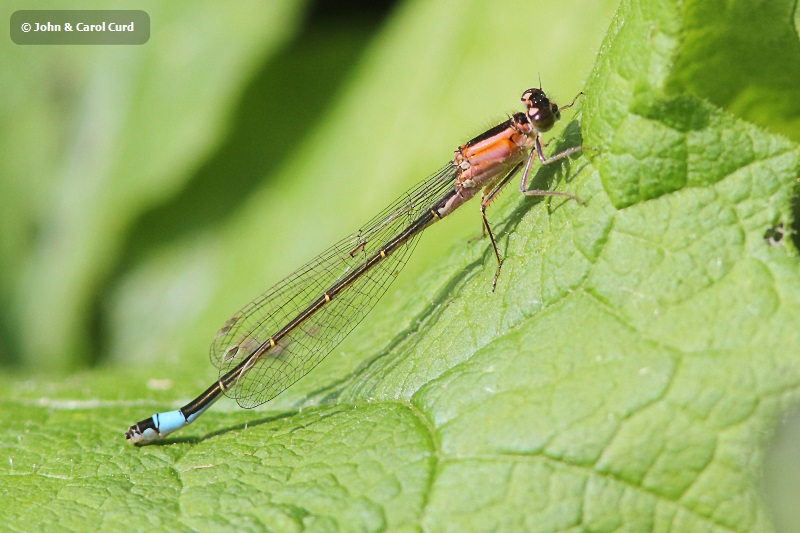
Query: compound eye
{"type": "Point", "coordinates": [541, 111]}
{"type": "Point", "coordinates": [542, 118]}
{"type": "Point", "coordinates": [544, 121]}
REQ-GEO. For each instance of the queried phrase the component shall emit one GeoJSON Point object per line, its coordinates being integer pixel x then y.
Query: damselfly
{"type": "Point", "coordinates": [280, 336]}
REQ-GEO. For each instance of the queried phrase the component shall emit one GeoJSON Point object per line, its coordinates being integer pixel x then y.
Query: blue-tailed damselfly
{"type": "Point", "coordinates": [279, 337]}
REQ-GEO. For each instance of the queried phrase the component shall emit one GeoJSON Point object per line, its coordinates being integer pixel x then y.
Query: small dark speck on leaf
{"type": "Point", "coordinates": [774, 235]}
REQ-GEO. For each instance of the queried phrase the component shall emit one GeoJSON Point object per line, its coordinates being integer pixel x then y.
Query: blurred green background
{"type": "Point", "coordinates": [150, 191]}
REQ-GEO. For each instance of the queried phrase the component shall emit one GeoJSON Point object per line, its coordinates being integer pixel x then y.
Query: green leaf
{"type": "Point", "coordinates": [745, 58]}
{"type": "Point", "coordinates": [626, 374]}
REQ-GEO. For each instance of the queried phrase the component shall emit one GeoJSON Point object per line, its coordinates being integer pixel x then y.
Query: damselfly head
{"type": "Point", "coordinates": [540, 110]}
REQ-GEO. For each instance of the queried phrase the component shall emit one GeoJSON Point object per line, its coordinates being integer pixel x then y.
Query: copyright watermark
{"type": "Point", "coordinates": [80, 27]}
